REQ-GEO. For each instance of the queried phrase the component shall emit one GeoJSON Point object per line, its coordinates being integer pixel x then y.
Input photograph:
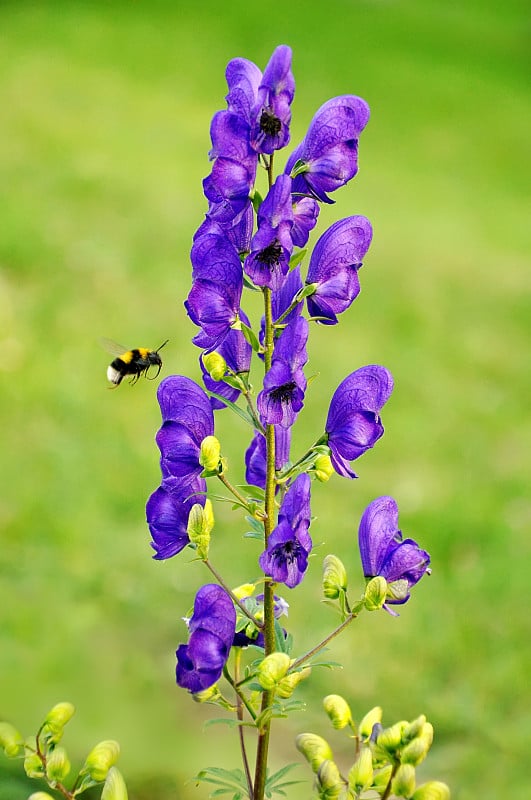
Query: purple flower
{"type": "Point", "coordinates": [214, 299]}
{"type": "Point", "coordinates": [271, 246]}
{"type": "Point", "coordinates": [282, 397]}
{"type": "Point", "coordinates": [167, 513]}
{"type": "Point", "coordinates": [238, 231]}
{"type": "Point", "coordinates": [353, 424]}
{"type": "Point", "coordinates": [243, 79]}
{"type": "Point", "coordinates": [285, 559]}
{"type": "Point", "coordinates": [255, 455]}
{"type": "Point", "coordinates": [272, 111]}
{"type": "Point", "coordinates": [384, 552]}
{"type": "Point", "coordinates": [334, 265]}
{"type": "Point", "coordinates": [305, 214]}
{"type": "Point", "coordinates": [187, 419]}
{"type": "Point", "coordinates": [328, 154]}
{"type": "Point", "coordinates": [280, 607]}
{"type": "Point", "coordinates": [212, 627]}
{"type": "Point", "coordinates": [236, 351]}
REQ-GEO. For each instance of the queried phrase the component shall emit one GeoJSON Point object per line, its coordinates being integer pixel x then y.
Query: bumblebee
{"type": "Point", "coordinates": [131, 362]}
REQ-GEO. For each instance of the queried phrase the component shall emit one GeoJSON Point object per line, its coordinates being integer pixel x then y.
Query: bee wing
{"type": "Point", "coordinates": [113, 347]}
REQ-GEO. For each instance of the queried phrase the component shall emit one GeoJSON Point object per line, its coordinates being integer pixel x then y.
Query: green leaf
{"type": "Point", "coordinates": [297, 257]}
{"type": "Point", "coordinates": [251, 337]}
{"type": "Point", "coordinates": [307, 290]}
{"type": "Point", "coordinates": [255, 525]}
{"type": "Point", "coordinates": [259, 536]}
{"type": "Point", "coordinates": [252, 491]}
{"type": "Point", "coordinates": [237, 410]}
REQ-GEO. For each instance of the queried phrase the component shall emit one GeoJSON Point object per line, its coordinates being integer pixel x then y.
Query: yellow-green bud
{"type": "Point", "coordinates": [273, 668]}
{"type": "Point", "coordinates": [57, 765]}
{"type": "Point", "coordinates": [33, 765]}
{"type": "Point", "coordinates": [200, 524]}
{"type": "Point", "coordinates": [314, 749]}
{"type": "Point", "coordinates": [115, 788]}
{"type": "Point", "coordinates": [361, 774]}
{"type": "Point", "coordinates": [432, 790]}
{"type": "Point", "coordinates": [323, 468]}
{"type": "Point", "coordinates": [330, 784]}
{"type": "Point", "coordinates": [417, 750]}
{"type": "Point", "coordinates": [390, 739]}
{"type": "Point", "coordinates": [56, 719]}
{"type": "Point", "coordinates": [398, 590]}
{"type": "Point", "coordinates": [207, 694]}
{"type": "Point", "coordinates": [375, 593]}
{"type": "Point", "coordinates": [10, 739]}
{"type": "Point", "coordinates": [215, 365]}
{"type": "Point", "coordinates": [40, 796]}
{"type": "Point", "coordinates": [287, 685]}
{"type": "Point", "coordinates": [210, 453]}
{"type": "Point", "coordinates": [382, 777]}
{"type": "Point", "coordinates": [369, 721]}
{"type": "Point", "coordinates": [403, 784]}
{"type": "Point", "coordinates": [338, 711]}
{"type": "Point", "coordinates": [245, 590]}
{"type": "Point", "coordinates": [334, 577]}
{"type": "Point", "coordinates": [101, 758]}
{"type": "Point", "coordinates": [415, 727]}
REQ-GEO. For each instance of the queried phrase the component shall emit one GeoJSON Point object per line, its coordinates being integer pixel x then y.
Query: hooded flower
{"type": "Point", "coordinates": [187, 419]}
{"type": "Point", "coordinates": [334, 265]}
{"type": "Point", "coordinates": [353, 424]}
{"type": "Point", "coordinates": [268, 262]}
{"type": "Point", "coordinates": [272, 111]}
{"type": "Point", "coordinates": [305, 214]}
{"type": "Point", "coordinates": [282, 397]}
{"type": "Point", "coordinates": [327, 158]}
{"type": "Point", "coordinates": [384, 552]}
{"type": "Point", "coordinates": [255, 455]}
{"type": "Point", "coordinates": [167, 513]}
{"type": "Point", "coordinates": [285, 559]}
{"type": "Point", "coordinates": [212, 627]}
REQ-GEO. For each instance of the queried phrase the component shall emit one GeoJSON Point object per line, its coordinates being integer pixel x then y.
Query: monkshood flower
{"type": "Point", "coordinates": [187, 419]}
{"type": "Point", "coordinates": [214, 299]}
{"type": "Point", "coordinates": [272, 111]}
{"type": "Point", "coordinates": [271, 246]}
{"type": "Point", "coordinates": [238, 231]}
{"type": "Point", "coordinates": [384, 552]}
{"type": "Point", "coordinates": [243, 79]}
{"type": "Point", "coordinates": [212, 627]}
{"type": "Point", "coordinates": [327, 158]}
{"type": "Point", "coordinates": [255, 455]}
{"type": "Point", "coordinates": [236, 351]}
{"type": "Point", "coordinates": [334, 264]}
{"type": "Point", "coordinates": [167, 513]}
{"type": "Point", "coordinates": [282, 397]}
{"type": "Point", "coordinates": [285, 559]}
{"type": "Point", "coordinates": [353, 424]}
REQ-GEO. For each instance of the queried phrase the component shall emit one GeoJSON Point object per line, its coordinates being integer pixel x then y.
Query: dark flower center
{"type": "Point", "coordinates": [270, 255]}
{"type": "Point", "coordinates": [284, 393]}
{"type": "Point", "coordinates": [287, 551]}
{"type": "Point", "coordinates": [269, 123]}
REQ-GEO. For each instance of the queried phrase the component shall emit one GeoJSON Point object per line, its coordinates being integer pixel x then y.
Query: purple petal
{"type": "Point", "coordinates": [378, 528]}
{"type": "Point", "coordinates": [182, 400]}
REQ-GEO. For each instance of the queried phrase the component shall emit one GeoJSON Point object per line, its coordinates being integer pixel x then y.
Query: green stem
{"type": "Point", "coordinates": [387, 791]}
{"type": "Point", "coordinates": [229, 591]}
{"type": "Point", "coordinates": [239, 714]}
{"type": "Point", "coordinates": [340, 628]}
{"type": "Point", "coordinates": [233, 490]}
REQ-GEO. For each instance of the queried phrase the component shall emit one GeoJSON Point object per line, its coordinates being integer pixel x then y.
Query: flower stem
{"type": "Point", "coordinates": [340, 628]}
{"type": "Point", "coordinates": [233, 490]}
{"type": "Point", "coordinates": [239, 714]}
{"type": "Point", "coordinates": [231, 594]}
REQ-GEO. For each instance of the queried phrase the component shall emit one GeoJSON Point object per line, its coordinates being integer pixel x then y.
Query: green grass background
{"type": "Point", "coordinates": [105, 109]}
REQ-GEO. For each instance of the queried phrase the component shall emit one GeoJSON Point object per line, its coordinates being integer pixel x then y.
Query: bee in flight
{"type": "Point", "coordinates": [131, 362]}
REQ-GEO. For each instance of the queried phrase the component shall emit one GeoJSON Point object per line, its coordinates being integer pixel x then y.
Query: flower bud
{"type": "Point", "coordinates": [200, 524]}
{"type": "Point", "coordinates": [330, 784]}
{"type": "Point", "coordinates": [210, 454]}
{"type": "Point", "coordinates": [215, 365]}
{"type": "Point", "coordinates": [375, 593]}
{"type": "Point", "coordinates": [390, 739]}
{"type": "Point", "coordinates": [57, 765]}
{"type": "Point", "coordinates": [272, 669]}
{"type": "Point", "coordinates": [314, 749]}
{"type": "Point", "coordinates": [32, 763]}
{"type": "Point", "coordinates": [432, 790]}
{"type": "Point", "coordinates": [245, 590]}
{"type": "Point", "coordinates": [207, 695]}
{"type": "Point", "coordinates": [101, 758]}
{"type": "Point", "coordinates": [338, 711]}
{"type": "Point", "coordinates": [115, 788]}
{"type": "Point", "coordinates": [10, 739]}
{"type": "Point", "coordinates": [382, 777]}
{"type": "Point", "coordinates": [415, 728]}
{"type": "Point", "coordinates": [56, 719]}
{"type": "Point", "coordinates": [40, 796]}
{"type": "Point", "coordinates": [369, 721]}
{"type": "Point", "coordinates": [361, 774]}
{"type": "Point", "coordinates": [334, 577]}
{"type": "Point", "coordinates": [417, 750]}
{"type": "Point", "coordinates": [323, 469]}
{"type": "Point", "coordinates": [287, 685]}
{"type": "Point", "coordinates": [403, 784]}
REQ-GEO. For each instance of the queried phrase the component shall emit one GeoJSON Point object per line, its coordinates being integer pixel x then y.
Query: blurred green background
{"type": "Point", "coordinates": [105, 111]}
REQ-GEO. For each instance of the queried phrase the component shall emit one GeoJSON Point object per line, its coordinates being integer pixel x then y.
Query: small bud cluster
{"type": "Point", "coordinates": [45, 758]}
{"type": "Point", "coordinates": [384, 758]}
